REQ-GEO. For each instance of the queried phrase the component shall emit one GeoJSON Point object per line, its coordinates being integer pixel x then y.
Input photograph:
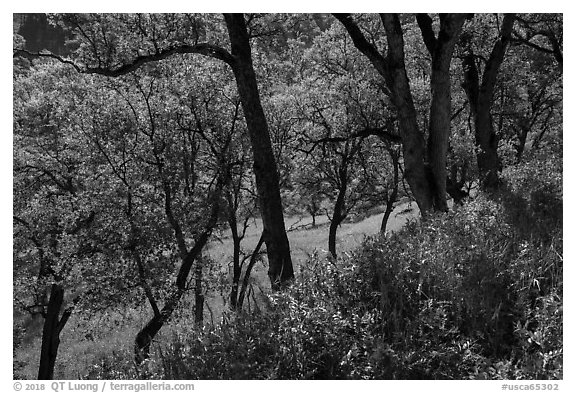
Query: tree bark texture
{"type": "Point", "coordinates": [413, 144]}
{"type": "Point", "coordinates": [280, 269]}
{"type": "Point", "coordinates": [53, 325]}
{"type": "Point", "coordinates": [481, 97]}
{"type": "Point", "coordinates": [146, 335]}
{"type": "Point", "coordinates": [441, 49]}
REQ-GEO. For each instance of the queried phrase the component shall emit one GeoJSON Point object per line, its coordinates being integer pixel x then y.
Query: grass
{"type": "Point", "coordinates": [306, 240]}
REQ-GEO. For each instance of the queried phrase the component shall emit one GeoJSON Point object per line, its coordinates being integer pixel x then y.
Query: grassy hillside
{"type": "Point", "coordinates": [306, 240]}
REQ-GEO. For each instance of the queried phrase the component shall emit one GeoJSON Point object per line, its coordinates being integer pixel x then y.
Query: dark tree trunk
{"type": "Point", "coordinates": [441, 49]}
{"type": "Point", "coordinates": [237, 271]}
{"type": "Point", "coordinates": [313, 208]}
{"type": "Point", "coordinates": [280, 269]}
{"type": "Point", "coordinates": [387, 213]}
{"type": "Point", "coordinates": [236, 247]}
{"type": "Point", "coordinates": [439, 135]}
{"type": "Point", "coordinates": [339, 210]}
{"type": "Point", "coordinates": [489, 164]}
{"type": "Point", "coordinates": [480, 96]}
{"type": "Point", "coordinates": [146, 335]}
{"type": "Point", "coordinates": [53, 325]}
{"type": "Point", "coordinates": [334, 224]}
{"type": "Point", "coordinates": [198, 293]}
{"type": "Point", "coordinates": [393, 195]}
{"type": "Point", "coordinates": [454, 186]}
{"type": "Point", "coordinates": [413, 144]}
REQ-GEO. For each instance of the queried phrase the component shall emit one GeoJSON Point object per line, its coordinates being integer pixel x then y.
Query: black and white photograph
{"type": "Point", "coordinates": [287, 196]}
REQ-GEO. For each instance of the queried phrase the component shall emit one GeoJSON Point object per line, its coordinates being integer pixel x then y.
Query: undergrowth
{"type": "Point", "coordinates": [472, 294]}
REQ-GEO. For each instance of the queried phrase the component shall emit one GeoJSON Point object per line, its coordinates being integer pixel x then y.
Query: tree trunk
{"type": "Point", "coordinates": [280, 269]}
{"type": "Point", "coordinates": [454, 185]}
{"type": "Point", "coordinates": [236, 250]}
{"type": "Point", "coordinates": [489, 164]}
{"type": "Point", "coordinates": [412, 139]}
{"type": "Point", "coordinates": [53, 325]}
{"type": "Point", "coordinates": [248, 271]}
{"type": "Point", "coordinates": [392, 68]}
{"type": "Point", "coordinates": [394, 195]}
{"type": "Point", "coordinates": [480, 96]}
{"type": "Point", "coordinates": [427, 182]}
{"type": "Point", "coordinates": [441, 50]}
{"type": "Point", "coordinates": [236, 272]}
{"type": "Point", "coordinates": [146, 335]}
{"type": "Point", "coordinates": [338, 215]}
{"type": "Point", "coordinates": [334, 224]}
{"type": "Point", "coordinates": [198, 294]}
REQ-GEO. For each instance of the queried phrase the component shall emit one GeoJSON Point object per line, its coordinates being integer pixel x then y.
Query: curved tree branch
{"type": "Point", "coordinates": [204, 49]}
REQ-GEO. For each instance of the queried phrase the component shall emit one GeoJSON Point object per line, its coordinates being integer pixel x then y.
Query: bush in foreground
{"type": "Point", "coordinates": [473, 294]}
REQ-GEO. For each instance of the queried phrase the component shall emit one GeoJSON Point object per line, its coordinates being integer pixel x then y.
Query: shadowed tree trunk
{"type": "Point", "coordinates": [237, 268]}
{"type": "Point", "coordinates": [441, 49]}
{"type": "Point", "coordinates": [198, 294]}
{"type": "Point", "coordinates": [53, 325]}
{"type": "Point", "coordinates": [455, 185]}
{"type": "Point", "coordinates": [339, 211]}
{"type": "Point", "coordinates": [391, 199]}
{"type": "Point", "coordinates": [413, 144]}
{"type": "Point", "coordinates": [481, 95]}
{"type": "Point", "coordinates": [280, 269]}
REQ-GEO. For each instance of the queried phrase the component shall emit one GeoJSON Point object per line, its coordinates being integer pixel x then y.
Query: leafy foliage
{"type": "Point", "coordinates": [115, 179]}
{"type": "Point", "coordinates": [459, 296]}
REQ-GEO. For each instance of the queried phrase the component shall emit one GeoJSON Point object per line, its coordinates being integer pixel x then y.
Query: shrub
{"type": "Point", "coordinates": [472, 294]}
